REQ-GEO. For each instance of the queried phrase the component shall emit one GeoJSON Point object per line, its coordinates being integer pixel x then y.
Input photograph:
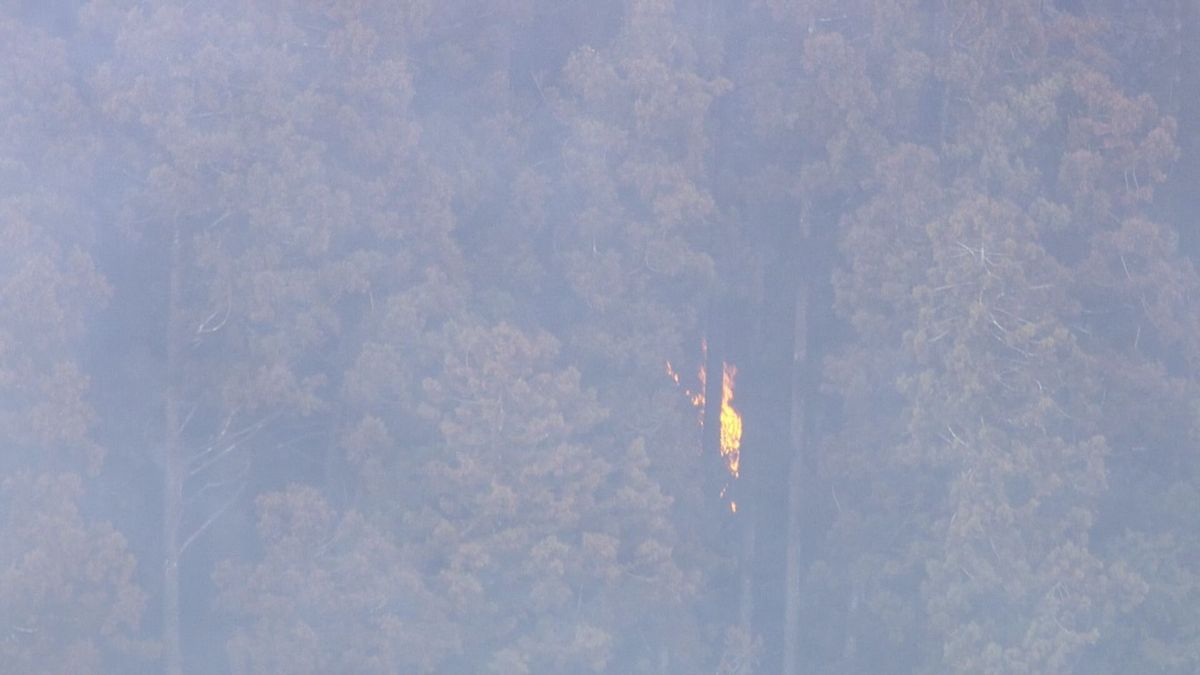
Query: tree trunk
{"type": "Point", "coordinates": [810, 339]}
{"type": "Point", "coordinates": [746, 569]}
{"type": "Point", "coordinates": [791, 589]}
{"type": "Point", "coordinates": [764, 397]}
{"type": "Point", "coordinates": [1181, 187]}
{"type": "Point", "coordinates": [791, 599]}
{"type": "Point", "coordinates": [172, 468]}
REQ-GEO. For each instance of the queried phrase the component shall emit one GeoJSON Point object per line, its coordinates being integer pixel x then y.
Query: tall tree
{"type": "Point", "coordinates": [997, 469]}
{"type": "Point", "coordinates": [634, 239]}
{"type": "Point", "coordinates": [264, 145]}
{"type": "Point", "coordinates": [69, 599]}
{"type": "Point", "coordinates": [50, 285]}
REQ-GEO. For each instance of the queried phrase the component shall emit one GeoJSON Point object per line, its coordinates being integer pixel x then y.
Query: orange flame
{"type": "Point", "coordinates": [696, 397]}
{"type": "Point", "coordinates": [731, 422]}
{"type": "Point", "coordinates": [730, 418]}
{"type": "Point", "coordinates": [671, 373]}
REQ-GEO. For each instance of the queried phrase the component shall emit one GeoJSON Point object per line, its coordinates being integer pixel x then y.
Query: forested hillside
{"type": "Point", "coordinates": [573, 336]}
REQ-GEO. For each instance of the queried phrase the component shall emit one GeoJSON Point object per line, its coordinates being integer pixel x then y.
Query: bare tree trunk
{"type": "Point", "coordinates": [172, 468]}
{"type": "Point", "coordinates": [791, 611]}
{"type": "Point", "coordinates": [800, 370]}
{"type": "Point", "coordinates": [791, 588]}
{"type": "Point", "coordinates": [1186, 86]}
{"type": "Point", "coordinates": [746, 600]}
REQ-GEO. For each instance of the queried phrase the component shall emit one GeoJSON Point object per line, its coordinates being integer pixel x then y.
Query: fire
{"type": "Point", "coordinates": [730, 418]}
{"type": "Point", "coordinates": [696, 397]}
{"type": "Point", "coordinates": [671, 373]}
{"type": "Point", "coordinates": [731, 421]}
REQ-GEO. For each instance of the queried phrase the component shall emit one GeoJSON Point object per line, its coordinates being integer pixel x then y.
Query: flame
{"type": "Point", "coordinates": [696, 397]}
{"type": "Point", "coordinates": [731, 421]}
{"type": "Point", "coordinates": [671, 372]}
{"type": "Point", "coordinates": [730, 418]}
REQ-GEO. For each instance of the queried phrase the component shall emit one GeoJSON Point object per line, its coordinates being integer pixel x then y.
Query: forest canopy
{"type": "Point", "coordinates": [645, 336]}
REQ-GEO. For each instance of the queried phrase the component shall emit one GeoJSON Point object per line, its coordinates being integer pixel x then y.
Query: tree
{"type": "Point", "coordinates": [50, 283]}
{"type": "Point", "coordinates": [254, 176]}
{"type": "Point", "coordinates": [69, 602]}
{"type": "Point", "coordinates": [976, 326]}
{"type": "Point", "coordinates": [544, 542]}
{"type": "Point", "coordinates": [331, 594]}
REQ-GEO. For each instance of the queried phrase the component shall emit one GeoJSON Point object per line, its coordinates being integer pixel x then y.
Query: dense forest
{"type": "Point", "coordinates": [566, 336]}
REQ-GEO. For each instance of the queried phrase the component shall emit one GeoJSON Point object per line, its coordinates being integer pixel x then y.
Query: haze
{"type": "Point", "coordinates": [634, 337]}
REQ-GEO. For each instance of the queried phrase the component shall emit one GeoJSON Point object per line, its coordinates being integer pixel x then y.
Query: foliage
{"type": "Point", "coordinates": [69, 601]}
{"type": "Point", "coordinates": [372, 301]}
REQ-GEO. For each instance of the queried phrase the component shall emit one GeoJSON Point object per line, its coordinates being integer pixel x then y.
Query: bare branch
{"type": "Point", "coordinates": [217, 484]}
{"type": "Point", "coordinates": [187, 419]}
{"type": "Point", "coordinates": [208, 326]}
{"type": "Point", "coordinates": [213, 459]}
{"type": "Point", "coordinates": [212, 519]}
